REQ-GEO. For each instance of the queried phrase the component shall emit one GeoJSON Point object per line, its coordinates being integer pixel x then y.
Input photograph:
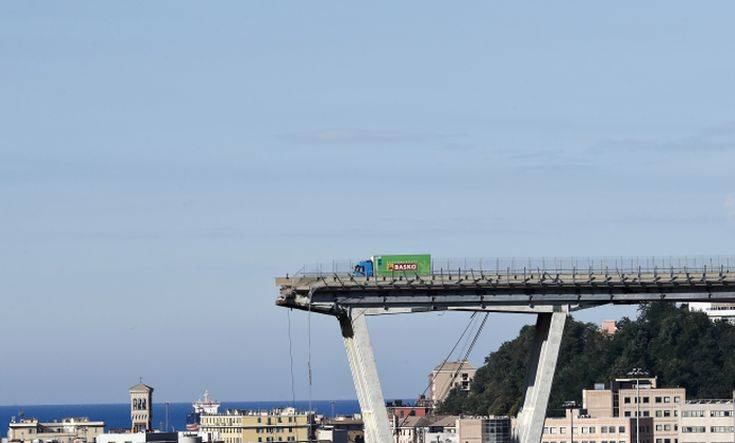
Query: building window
{"type": "Point", "coordinates": [692, 429]}
{"type": "Point", "coordinates": [658, 399]}
{"type": "Point", "coordinates": [626, 400]}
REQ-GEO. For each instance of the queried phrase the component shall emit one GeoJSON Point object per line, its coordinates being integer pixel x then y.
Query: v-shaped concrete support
{"type": "Point", "coordinates": [549, 330]}
{"type": "Point", "coordinates": [365, 375]}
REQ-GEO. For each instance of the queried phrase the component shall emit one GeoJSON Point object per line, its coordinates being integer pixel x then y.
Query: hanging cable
{"type": "Point", "coordinates": [308, 328]}
{"type": "Point", "coordinates": [468, 351]}
{"type": "Point", "coordinates": [290, 356]}
{"type": "Point", "coordinates": [441, 366]}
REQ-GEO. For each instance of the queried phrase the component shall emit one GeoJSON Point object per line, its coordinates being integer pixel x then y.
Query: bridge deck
{"type": "Point", "coordinates": [332, 293]}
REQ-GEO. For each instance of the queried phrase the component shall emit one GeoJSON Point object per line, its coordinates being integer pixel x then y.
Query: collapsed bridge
{"type": "Point", "coordinates": [551, 288]}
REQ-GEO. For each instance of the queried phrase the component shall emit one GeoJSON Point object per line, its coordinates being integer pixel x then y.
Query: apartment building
{"type": "Point", "coordinates": [67, 430]}
{"type": "Point", "coordinates": [401, 409]}
{"type": "Point", "coordinates": [707, 421]}
{"type": "Point", "coordinates": [450, 375]}
{"type": "Point", "coordinates": [492, 429]}
{"type": "Point", "coordinates": [585, 429]}
{"type": "Point", "coordinates": [630, 397]}
{"type": "Point", "coordinates": [453, 429]}
{"type": "Point", "coordinates": [433, 428]}
{"type": "Point", "coordinates": [245, 426]}
{"type": "Point", "coordinates": [352, 426]}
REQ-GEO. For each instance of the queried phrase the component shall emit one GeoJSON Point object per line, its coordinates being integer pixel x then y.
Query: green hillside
{"type": "Point", "coordinates": [682, 348]}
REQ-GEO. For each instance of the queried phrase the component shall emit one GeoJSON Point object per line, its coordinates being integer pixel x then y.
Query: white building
{"type": "Point", "coordinates": [67, 430]}
{"type": "Point", "coordinates": [716, 311]}
{"type": "Point", "coordinates": [706, 421]}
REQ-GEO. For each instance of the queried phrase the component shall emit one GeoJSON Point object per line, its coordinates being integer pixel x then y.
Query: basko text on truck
{"type": "Point", "coordinates": [394, 265]}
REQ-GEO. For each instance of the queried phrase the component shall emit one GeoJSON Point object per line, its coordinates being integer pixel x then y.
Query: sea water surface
{"type": "Point", "coordinates": [117, 416]}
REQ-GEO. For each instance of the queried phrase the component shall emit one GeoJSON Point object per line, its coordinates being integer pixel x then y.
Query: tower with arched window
{"type": "Point", "coordinates": [141, 408]}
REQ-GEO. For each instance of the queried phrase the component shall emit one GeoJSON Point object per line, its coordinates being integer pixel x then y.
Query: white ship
{"type": "Point", "coordinates": [204, 405]}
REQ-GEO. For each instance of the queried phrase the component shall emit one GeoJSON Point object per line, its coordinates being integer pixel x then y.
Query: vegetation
{"type": "Point", "coordinates": [682, 348]}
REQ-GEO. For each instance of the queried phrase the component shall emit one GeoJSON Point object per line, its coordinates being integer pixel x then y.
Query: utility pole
{"type": "Point", "coordinates": [570, 406]}
{"type": "Point", "coordinates": [637, 373]}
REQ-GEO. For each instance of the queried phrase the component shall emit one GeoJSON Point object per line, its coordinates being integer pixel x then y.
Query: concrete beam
{"type": "Point", "coordinates": [365, 375]}
{"type": "Point", "coordinates": [549, 330]}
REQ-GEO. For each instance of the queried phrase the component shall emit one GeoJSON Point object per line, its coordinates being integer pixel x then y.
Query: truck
{"type": "Point", "coordinates": [393, 265]}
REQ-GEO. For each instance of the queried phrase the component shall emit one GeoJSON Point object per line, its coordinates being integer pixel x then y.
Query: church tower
{"type": "Point", "coordinates": [141, 407]}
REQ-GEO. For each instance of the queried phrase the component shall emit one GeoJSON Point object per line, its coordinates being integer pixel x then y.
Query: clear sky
{"type": "Point", "coordinates": [162, 162]}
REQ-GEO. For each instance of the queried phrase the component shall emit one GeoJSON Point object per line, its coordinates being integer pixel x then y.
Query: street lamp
{"type": "Point", "coordinates": [570, 406]}
{"type": "Point", "coordinates": [637, 373]}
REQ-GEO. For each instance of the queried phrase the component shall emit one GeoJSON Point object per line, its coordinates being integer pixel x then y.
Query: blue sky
{"type": "Point", "coordinates": [161, 163]}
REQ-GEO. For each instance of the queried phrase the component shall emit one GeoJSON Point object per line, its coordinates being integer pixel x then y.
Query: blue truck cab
{"type": "Point", "coordinates": [364, 269]}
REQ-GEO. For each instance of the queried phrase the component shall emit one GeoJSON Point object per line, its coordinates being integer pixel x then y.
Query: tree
{"type": "Point", "coordinates": [681, 347]}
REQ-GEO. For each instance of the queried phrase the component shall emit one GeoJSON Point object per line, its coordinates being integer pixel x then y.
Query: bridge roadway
{"type": "Point", "coordinates": [549, 293]}
{"type": "Point", "coordinates": [503, 291]}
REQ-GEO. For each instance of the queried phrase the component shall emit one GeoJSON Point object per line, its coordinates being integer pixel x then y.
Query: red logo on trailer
{"type": "Point", "coordinates": [402, 266]}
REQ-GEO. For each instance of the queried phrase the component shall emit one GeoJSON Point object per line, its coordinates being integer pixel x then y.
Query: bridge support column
{"type": "Point", "coordinates": [365, 376]}
{"type": "Point", "coordinates": [549, 330]}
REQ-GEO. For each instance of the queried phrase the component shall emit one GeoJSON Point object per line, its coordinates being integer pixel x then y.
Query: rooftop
{"type": "Point", "coordinates": [427, 421]}
{"type": "Point", "coordinates": [709, 401]}
{"type": "Point", "coordinates": [140, 387]}
{"type": "Point", "coordinates": [261, 412]}
{"type": "Point", "coordinates": [455, 365]}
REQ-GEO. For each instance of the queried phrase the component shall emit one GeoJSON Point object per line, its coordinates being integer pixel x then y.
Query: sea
{"type": "Point", "coordinates": [117, 416]}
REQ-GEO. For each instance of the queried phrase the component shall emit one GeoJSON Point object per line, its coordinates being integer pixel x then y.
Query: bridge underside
{"type": "Point", "coordinates": [551, 296]}
{"type": "Point", "coordinates": [332, 294]}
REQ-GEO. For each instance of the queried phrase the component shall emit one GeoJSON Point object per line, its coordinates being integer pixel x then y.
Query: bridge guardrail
{"type": "Point", "coordinates": [693, 264]}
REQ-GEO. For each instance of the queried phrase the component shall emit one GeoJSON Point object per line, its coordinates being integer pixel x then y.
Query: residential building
{"type": "Point", "coordinates": [141, 408]}
{"type": "Point", "coordinates": [444, 377]}
{"type": "Point", "coordinates": [626, 399]}
{"type": "Point", "coordinates": [67, 430]}
{"type": "Point", "coordinates": [429, 429]}
{"type": "Point", "coordinates": [327, 434]}
{"type": "Point", "coordinates": [400, 409]}
{"type": "Point", "coordinates": [707, 421]}
{"type": "Point", "coordinates": [244, 426]}
{"type": "Point", "coordinates": [484, 429]}
{"type": "Point", "coordinates": [352, 425]}
{"type": "Point", "coordinates": [586, 429]}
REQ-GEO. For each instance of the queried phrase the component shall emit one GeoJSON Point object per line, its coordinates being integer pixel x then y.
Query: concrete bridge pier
{"type": "Point", "coordinates": [547, 342]}
{"type": "Point", "coordinates": [365, 375]}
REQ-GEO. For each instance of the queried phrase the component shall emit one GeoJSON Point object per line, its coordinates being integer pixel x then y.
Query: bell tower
{"type": "Point", "coordinates": [141, 407]}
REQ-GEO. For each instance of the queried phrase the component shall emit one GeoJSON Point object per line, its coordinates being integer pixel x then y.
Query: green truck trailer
{"type": "Point", "coordinates": [394, 265]}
